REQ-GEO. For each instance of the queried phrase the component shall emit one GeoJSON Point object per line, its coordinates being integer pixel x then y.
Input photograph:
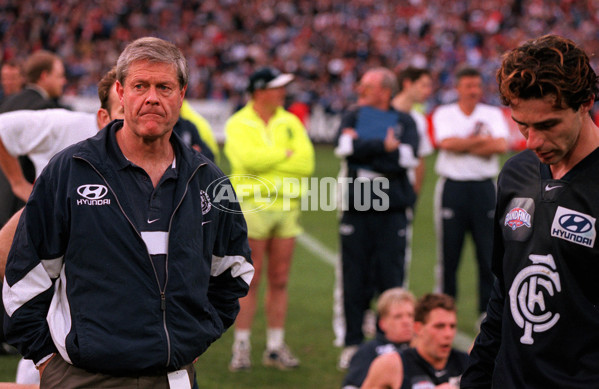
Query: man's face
{"type": "Point", "coordinates": [12, 79]}
{"type": "Point", "coordinates": [151, 99]}
{"type": "Point", "coordinates": [54, 81]}
{"type": "Point", "coordinates": [552, 133]}
{"type": "Point", "coordinates": [398, 324]}
{"type": "Point", "coordinates": [422, 88]}
{"type": "Point", "coordinates": [470, 90]}
{"type": "Point", "coordinates": [370, 90]}
{"type": "Point", "coordinates": [435, 337]}
{"type": "Point", "coordinates": [272, 97]}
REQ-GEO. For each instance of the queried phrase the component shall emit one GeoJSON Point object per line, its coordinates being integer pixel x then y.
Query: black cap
{"type": "Point", "coordinates": [268, 78]}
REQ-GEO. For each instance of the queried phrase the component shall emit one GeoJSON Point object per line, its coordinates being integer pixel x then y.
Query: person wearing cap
{"type": "Point", "coordinates": [270, 152]}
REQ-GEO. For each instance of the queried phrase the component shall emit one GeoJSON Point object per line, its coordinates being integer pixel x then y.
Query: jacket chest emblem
{"type": "Point", "coordinates": [92, 194]}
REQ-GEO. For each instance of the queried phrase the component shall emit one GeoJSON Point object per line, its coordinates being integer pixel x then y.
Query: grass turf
{"type": "Point", "coordinates": [309, 332]}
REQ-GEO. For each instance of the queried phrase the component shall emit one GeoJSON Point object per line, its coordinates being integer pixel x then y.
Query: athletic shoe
{"type": "Point", "coordinates": [241, 357]}
{"type": "Point", "coordinates": [281, 358]}
{"type": "Point", "coordinates": [346, 356]}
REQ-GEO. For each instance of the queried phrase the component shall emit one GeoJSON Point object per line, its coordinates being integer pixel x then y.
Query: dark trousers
{"type": "Point", "coordinates": [60, 374]}
{"type": "Point", "coordinates": [373, 250]}
{"type": "Point", "coordinates": [465, 206]}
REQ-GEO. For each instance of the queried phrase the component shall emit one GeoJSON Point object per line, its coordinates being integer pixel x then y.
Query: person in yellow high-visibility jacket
{"type": "Point", "coordinates": [187, 112]}
{"type": "Point", "coordinates": [270, 153]}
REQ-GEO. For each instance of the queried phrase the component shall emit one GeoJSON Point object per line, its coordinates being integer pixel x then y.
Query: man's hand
{"type": "Point", "coordinates": [391, 143]}
{"type": "Point", "coordinates": [351, 132]}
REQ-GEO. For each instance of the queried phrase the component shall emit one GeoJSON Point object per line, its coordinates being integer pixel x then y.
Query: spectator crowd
{"type": "Point", "coordinates": [327, 44]}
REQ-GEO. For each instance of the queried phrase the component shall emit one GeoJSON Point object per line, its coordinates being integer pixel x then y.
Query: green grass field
{"type": "Point", "coordinates": [309, 332]}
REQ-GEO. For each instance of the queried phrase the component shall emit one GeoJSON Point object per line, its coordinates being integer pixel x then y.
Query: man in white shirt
{"type": "Point", "coordinates": [41, 134]}
{"type": "Point", "coordinates": [469, 135]}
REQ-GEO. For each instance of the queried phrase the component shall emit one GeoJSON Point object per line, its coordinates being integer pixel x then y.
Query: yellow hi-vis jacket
{"type": "Point", "coordinates": [262, 171]}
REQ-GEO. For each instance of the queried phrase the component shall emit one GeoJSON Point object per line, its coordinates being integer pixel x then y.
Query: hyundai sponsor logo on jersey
{"type": "Point", "coordinates": [574, 226]}
{"type": "Point", "coordinates": [92, 195]}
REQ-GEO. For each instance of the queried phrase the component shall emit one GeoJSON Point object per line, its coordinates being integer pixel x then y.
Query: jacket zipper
{"type": "Point", "coordinates": [162, 291]}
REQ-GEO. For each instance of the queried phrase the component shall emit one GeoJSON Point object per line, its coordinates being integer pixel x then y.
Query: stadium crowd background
{"type": "Point", "coordinates": [327, 44]}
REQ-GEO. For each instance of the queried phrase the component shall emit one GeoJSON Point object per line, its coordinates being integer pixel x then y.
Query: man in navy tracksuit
{"type": "Point", "coordinates": [379, 145]}
{"type": "Point", "coordinates": [125, 265]}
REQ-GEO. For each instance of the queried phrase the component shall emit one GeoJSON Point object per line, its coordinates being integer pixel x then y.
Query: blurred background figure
{"type": "Point", "coordinates": [266, 145]}
{"type": "Point", "coordinates": [377, 145]}
{"type": "Point", "coordinates": [395, 309]}
{"type": "Point", "coordinates": [415, 87]}
{"type": "Point", "coordinates": [45, 77]}
{"type": "Point", "coordinates": [205, 131]}
{"type": "Point", "coordinates": [11, 78]}
{"type": "Point", "coordinates": [470, 136]}
{"type": "Point", "coordinates": [431, 361]}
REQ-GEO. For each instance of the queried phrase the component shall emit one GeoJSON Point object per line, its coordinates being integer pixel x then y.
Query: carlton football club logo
{"type": "Point", "coordinates": [206, 204]}
{"type": "Point", "coordinates": [528, 293]}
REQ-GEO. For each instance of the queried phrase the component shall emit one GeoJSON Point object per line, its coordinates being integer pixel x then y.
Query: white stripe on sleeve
{"type": "Point", "coordinates": [34, 283]}
{"type": "Point", "coordinates": [407, 159]}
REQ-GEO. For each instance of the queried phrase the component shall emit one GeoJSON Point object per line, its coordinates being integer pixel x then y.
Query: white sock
{"type": "Point", "coordinates": [242, 336]}
{"type": "Point", "coordinates": [274, 338]}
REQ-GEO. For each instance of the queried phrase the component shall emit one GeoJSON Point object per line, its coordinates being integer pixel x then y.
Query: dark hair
{"type": "Point", "coordinates": [466, 71]}
{"type": "Point", "coordinates": [549, 65]}
{"type": "Point", "coordinates": [104, 87]}
{"type": "Point", "coordinates": [14, 63]}
{"type": "Point", "coordinates": [431, 301]}
{"type": "Point", "coordinates": [37, 63]}
{"type": "Point", "coordinates": [411, 73]}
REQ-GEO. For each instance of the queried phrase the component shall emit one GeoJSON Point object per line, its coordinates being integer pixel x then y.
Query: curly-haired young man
{"type": "Point", "coordinates": [542, 320]}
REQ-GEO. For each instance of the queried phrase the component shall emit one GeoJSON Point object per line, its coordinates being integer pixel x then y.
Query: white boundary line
{"type": "Point", "coordinates": [462, 341]}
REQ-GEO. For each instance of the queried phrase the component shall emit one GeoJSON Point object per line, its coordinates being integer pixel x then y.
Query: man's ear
{"type": "Point", "coordinates": [418, 327]}
{"type": "Point", "coordinates": [119, 90]}
{"type": "Point", "coordinates": [383, 324]}
{"type": "Point", "coordinates": [102, 118]}
{"type": "Point", "coordinates": [587, 106]}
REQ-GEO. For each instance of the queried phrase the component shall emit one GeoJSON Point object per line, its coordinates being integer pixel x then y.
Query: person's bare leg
{"type": "Point", "coordinates": [248, 303]}
{"type": "Point", "coordinates": [279, 265]}
{"type": "Point", "coordinates": [243, 324]}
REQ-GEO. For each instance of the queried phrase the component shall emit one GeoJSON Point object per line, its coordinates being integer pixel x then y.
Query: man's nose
{"type": "Point", "coordinates": [533, 141]}
{"type": "Point", "coordinates": [152, 96]}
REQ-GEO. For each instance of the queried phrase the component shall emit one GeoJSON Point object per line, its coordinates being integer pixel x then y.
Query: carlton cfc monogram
{"type": "Point", "coordinates": [528, 292]}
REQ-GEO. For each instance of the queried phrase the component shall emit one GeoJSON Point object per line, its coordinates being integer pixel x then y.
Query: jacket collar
{"type": "Point", "coordinates": [99, 150]}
